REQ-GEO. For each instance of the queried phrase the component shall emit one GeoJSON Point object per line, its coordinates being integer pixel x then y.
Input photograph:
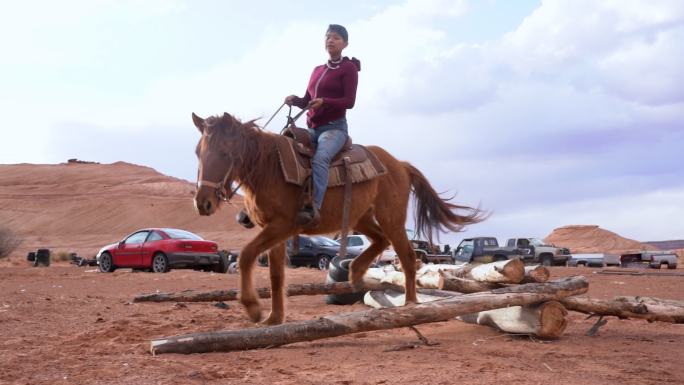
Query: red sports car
{"type": "Point", "coordinates": [160, 250]}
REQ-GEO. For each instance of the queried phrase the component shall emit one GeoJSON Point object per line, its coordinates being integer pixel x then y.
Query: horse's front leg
{"type": "Point", "coordinates": [267, 238]}
{"type": "Point", "coordinates": [276, 265]}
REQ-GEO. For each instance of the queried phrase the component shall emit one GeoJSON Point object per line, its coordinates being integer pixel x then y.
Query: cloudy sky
{"type": "Point", "coordinates": [545, 113]}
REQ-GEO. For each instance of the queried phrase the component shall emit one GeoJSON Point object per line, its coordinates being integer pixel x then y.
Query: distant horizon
{"type": "Point", "coordinates": [501, 239]}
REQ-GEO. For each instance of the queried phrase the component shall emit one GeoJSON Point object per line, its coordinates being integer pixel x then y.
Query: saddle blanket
{"type": "Point", "coordinates": [296, 168]}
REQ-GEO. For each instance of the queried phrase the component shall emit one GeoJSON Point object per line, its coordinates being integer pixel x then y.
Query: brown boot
{"type": "Point", "coordinates": [308, 217]}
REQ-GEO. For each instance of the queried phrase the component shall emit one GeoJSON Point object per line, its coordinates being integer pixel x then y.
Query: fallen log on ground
{"type": "Point", "coordinates": [536, 273]}
{"type": "Point", "coordinates": [546, 320]}
{"type": "Point", "coordinates": [650, 309]}
{"type": "Point", "coordinates": [264, 292]}
{"type": "Point", "coordinates": [510, 271]}
{"type": "Point", "coordinates": [348, 323]}
{"type": "Point", "coordinates": [464, 285]}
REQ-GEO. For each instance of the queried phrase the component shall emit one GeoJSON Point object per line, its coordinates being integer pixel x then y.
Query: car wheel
{"type": "Point", "coordinates": [263, 260]}
{"type": "Point", "coordinates": [323, 262]}
{"type": "Point", "coordinates": [106, 263]}
{"type": "Point", "coordinates": [547, 261]}
{"type": "Point", "coordinates": [222, 266]}
{"type": "Point", "coordinates": [160, 264]}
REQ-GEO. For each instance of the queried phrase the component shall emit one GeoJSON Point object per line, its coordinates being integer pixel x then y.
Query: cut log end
{"type": "Point", "coordinates": [552, 319]}
{"type": "Point", "coordinates": [514, 270]}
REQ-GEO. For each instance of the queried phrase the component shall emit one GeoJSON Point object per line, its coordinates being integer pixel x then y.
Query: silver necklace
{"type": "Point", "coordinates": [327, 63]}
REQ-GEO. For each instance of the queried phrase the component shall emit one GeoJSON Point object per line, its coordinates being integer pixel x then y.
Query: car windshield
{"type": "Point", "coordinates": [536, 242]}
{"type": "Point", "coordinates": [182, 234]}
{"type": "Point", "coordinates": [324, 241]}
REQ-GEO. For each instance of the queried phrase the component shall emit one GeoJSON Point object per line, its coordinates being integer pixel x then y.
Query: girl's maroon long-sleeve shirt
{"type": "Point", "coordinates": [336, 84]}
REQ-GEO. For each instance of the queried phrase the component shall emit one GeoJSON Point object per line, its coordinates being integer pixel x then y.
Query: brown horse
{"type": "Point", "coordinates": [233, 151]}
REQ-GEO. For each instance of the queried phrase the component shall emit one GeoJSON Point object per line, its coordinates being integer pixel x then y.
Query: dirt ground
{"type": "Point", "coordinates": [71, 325]}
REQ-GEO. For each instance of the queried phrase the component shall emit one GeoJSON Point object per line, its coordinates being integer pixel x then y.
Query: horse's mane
{"type": "Point", "coordinates": [253, 148]}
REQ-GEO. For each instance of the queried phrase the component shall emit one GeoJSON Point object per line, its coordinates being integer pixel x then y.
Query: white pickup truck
{"type": "Point", "coordinates": [652, 259]}
{"type": "Point", "coordinates": [594, 260]}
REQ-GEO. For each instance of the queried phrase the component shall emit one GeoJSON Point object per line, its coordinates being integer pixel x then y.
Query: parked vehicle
{"type": "Point", "coordinates": [314, 250]}
{"type": "Point", "coordinates": [594, 260]}
{"type": "Point", "coordinates": [653, 259]}
{"type": "Point", "coordinates": [159, 250]}
{"type": "Point", "coordinates": [484, 250]}
{"type": "Point", "coordinates": [357, 243]}
{"type": "Point", "coordinates": [429, 253]}
{"type": "Point", "coordinates": [535, 251]}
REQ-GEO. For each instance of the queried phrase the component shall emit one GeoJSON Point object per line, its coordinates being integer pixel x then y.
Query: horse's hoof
{"type": "Point", "coordinates": [410, 301]}
{"type": "Point", "coordinates": [254, 312]}
{"type": "Point", "coordinates": [274, 319]}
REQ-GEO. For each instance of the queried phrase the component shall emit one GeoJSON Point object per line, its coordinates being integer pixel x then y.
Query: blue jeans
{"type": "Point", "coordinates": [329, 139]}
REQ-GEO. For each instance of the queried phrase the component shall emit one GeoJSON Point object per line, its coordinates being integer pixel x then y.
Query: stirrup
{"type": "Point", "coordinates": [243, 219]}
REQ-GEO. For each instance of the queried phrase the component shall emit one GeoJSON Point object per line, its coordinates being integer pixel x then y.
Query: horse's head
{"type": "Point", "coordinates": [217, 160]}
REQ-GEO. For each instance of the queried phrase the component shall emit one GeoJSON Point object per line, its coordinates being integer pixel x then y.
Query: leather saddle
{"type": "Point", "coordinates": [296, 151]}
{"type": "Point", "coordinates": [303, 144]}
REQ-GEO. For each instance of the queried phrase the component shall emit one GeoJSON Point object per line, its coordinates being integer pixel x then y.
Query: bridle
{"type": "Point", "coordinates": [220, 188]}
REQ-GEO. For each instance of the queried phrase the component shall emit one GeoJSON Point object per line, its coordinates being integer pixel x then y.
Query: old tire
{"type": "Point", "coordinates": [338, 271]}
{"type": "Point", "coordinates": [106, 263]}
{"type": "Point", "coordinates": [263, 260]}
{"type": "Point", "coordinates": [222, 266]}
{"type": "Point", "coordinates": [323, 262]}
{"type": "Point", "coordinates": [160, 264]}
{"type": "Point", "coordinates": [31, 256]}
{"type": "Point", "coordinates": [42, 257]}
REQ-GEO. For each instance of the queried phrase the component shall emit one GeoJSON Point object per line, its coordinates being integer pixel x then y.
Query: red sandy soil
{"type": "Point", "coordinates": [71, 325]}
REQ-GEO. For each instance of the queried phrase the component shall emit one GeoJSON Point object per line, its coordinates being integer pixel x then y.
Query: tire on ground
{"type": "Point", "coordinates": [222, 266]}
{"type": "Point", "coordinates": [42, 257]}
{"type": "Point", "coordinates": [338, 271]}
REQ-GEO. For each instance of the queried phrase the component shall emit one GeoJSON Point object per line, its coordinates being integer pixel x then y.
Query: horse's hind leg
{"type": "Point", "coordinates": [266, 239]}
{"type": "Point", "coordinates": [407, 257]}
{"type": "Point", "coordinates": [276, 265]}
{"type": "Point", "coordinates": [367, 225]}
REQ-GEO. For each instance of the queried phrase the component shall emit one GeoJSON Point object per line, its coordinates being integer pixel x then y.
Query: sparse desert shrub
{"type": "Point", "coordinates": [9, 241]}
{"type": "Point", "coordinates": [61, 256]}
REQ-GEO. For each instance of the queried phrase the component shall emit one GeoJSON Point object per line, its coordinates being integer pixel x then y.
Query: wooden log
{"type": "Point", "coordinates": [264, 292]}
{"type": "Point", "coordinates": [347, 323]}
{"type": "Point", "coordinates": [510, 271]}
{"type": "Point", "coordinates": [545, 320]}
{"type": "Point", "coordinates": [648, 308]}
{"type": "Point", "coordinates": [536, 273]}
{"type": "Point", "coordinates": [463, 285]}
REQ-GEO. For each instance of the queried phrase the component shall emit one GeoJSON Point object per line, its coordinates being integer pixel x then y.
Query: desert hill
{"type": "Point", "coordinates": [79, 207]}
{"type": "Point", "coordinates": [593, 239]}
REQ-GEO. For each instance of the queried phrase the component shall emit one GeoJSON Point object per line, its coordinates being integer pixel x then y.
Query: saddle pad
{"type": "Point", "coordinates": [296, 168]}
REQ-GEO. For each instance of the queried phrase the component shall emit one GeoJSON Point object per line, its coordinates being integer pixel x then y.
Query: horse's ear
{"type": "Point", "coordinates": [227, 119]}
{"type": "Point", "coordinates": [199, 123]}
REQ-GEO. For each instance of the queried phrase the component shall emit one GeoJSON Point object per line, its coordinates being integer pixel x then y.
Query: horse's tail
{"type": "Point", "coordinates": [433, 212]}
